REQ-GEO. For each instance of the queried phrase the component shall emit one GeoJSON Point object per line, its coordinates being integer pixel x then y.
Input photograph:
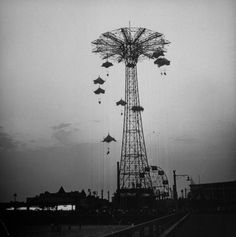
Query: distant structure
{"type": "Point", "coordinates": [79, 200]}
{"type": "Point", "coordinates": [131, 45]}
{"type": "Point", "coordinates": [61, 197]}
{"type": "Point", "coordinates": [160, 182]}
{"type": "Point", "coordinates": [214, 196]}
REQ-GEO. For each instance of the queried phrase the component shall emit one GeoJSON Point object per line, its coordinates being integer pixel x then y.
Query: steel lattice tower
{"type": "Point", "coordinates": [133, 151]}
{"type": "Point", "coordinates": [130, 45]}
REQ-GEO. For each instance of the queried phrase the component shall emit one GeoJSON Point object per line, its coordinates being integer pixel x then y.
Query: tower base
{"type": "Point", "coordinates": [134, 199]}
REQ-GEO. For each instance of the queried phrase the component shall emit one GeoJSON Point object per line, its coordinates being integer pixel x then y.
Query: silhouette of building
{"type": "Point", "coordinates": [214, 195]}
{"type": "Point", "coordinates": [78, 200]}
{"type": "Point", "coordinates": [61, 197]}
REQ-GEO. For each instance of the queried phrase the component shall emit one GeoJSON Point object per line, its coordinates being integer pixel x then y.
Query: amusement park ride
{"type": "Point", "coordinates": [131, 45]}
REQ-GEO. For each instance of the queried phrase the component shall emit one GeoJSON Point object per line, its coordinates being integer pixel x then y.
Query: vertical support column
{"type": "Point", "coordinates": [133, 153]}
{"type": "Point", "coordinates": [118, 175]}
{"type": "Point", "coordinates": [175, 195]}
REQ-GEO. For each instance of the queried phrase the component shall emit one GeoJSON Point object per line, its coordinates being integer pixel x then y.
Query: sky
{"type": "Point", "coordinates": [51, 124]}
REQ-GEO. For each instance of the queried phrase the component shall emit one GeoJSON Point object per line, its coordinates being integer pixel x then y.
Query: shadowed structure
{"type": "Point", "coordinates": [130, 45]}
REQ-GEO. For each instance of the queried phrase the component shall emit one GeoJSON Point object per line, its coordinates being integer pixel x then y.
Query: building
{"type": "Point", "coordinates": [78, 200]}
{"type": "Point", "coordinates": [214, 195]}
{"type": "Point", "coordinates": [61, 197]}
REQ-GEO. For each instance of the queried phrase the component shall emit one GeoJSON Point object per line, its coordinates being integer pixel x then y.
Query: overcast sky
{"type": "Point", "coordinates": [51, 124]}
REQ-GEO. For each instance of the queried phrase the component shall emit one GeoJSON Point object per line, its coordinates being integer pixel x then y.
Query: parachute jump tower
{"type": "Point", "coordinates": [131, 45]}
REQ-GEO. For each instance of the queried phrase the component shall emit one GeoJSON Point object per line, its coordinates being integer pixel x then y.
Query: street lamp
{"type": "Point", "coordinates": [175, 194]}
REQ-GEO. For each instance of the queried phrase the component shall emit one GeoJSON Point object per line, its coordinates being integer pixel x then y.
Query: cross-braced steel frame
{"type": "Point", "coordinates": [133, 152]}
{"type": "Point", "coordinates": [130, 45]}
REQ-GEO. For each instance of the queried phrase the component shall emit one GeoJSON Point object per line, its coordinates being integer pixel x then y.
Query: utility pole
{"type": "Point", "coordinates": [118, 176]}
{"type": "Point", "coordinates": [15, 195]}
{"type": "Point", "coordinates": [108, 195]}
{"type": "Point", "coordinates": [175, 195]}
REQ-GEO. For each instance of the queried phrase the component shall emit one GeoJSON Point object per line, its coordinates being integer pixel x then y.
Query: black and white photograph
{"type": "Point", "coordinates": [117, 118]}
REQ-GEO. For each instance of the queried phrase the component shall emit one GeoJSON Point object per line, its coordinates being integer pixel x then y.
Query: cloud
{"type": "Point", "coordinates": [66, 134]}
{"type": "Point", "coordinates": [32, 141]}
{"type": "Point", "coordinates": [7, 142]}
{"type": "Point", "coordinates": [96, 121]}
{"type": "Point", "coordinates": [185, 139]}
{"type": "Point", "coordinates": [61, 125]}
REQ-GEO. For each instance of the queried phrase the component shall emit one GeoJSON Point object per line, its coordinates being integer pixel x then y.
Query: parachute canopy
{"type": "Point", "coordinates": [161, 62]}
{"type": "Point", "coordinates": [99, 81]}
{"type": "Point", "coordinates": [99, 91]}
{"type": "Point", "coordinates": [158, 54]}
{"type": "Point", "coordinates": [164, 41]}
{"type": "Point", "coordinates": [107, 64]}
{"type": "Point", "coordinates": [137, 108]}
{"type": "Point", "coordinates": [121, 102]}
{"type": "Point", "coordinates": [109, 139]}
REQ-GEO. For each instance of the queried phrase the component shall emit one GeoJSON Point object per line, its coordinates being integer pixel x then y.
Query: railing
{"type": "Point", "coordinates": [150, 228]}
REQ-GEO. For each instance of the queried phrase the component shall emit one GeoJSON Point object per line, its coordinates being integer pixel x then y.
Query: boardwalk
{"type": "Point", "coordinates": [207, 225]}
{"type": "Point", "coordinates": [67, 231]}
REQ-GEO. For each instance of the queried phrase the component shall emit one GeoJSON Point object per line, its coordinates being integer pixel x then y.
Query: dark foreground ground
{"type": "Point", "coordinates": [207, 225]}
{"type": "Point", "coordinates": [196, 225]}
{"type": "Point", "coordinates": [68, 231]}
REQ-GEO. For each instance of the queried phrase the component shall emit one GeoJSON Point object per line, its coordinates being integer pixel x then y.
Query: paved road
{"type": "Point", "coordinates": [207, 225]}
